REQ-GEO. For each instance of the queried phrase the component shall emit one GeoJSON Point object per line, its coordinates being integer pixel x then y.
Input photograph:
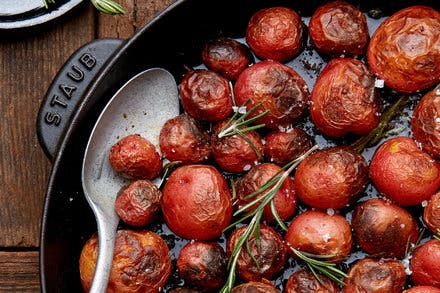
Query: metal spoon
{"type": "Point", "coordinates": [141, 106]}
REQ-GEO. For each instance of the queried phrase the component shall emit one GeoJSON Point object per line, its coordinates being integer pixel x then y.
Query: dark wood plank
{"type": "Point", "coordinates": [19, 272]}
{"type": "Point", "coordinates": [137, 13]}
{"type": "Point", "coordinates": [27, 66]}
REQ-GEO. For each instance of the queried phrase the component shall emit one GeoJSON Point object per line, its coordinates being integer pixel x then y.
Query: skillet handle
{"type": "Point", "coordinates": [68, 89]}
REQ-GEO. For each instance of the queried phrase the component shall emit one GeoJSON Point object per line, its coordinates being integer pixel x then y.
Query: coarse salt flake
{"type": "Point", "coordinates": [247, 167]}
{"type": "Point", "coordinates": [379, 83]}
{"type": "Point", "coordinates": [424, 203]}
{"type": "Point", "coordinates": [330, 212]}
{"type": "Point", "coordinates": [406, 264]}
{"type": "Point", "coordinates": [281, 128]}
{"type": "Point", "coordinates": [240, 110]}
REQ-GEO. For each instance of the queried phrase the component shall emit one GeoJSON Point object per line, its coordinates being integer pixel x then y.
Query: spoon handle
{"type": "Point", "coordinates": [107, 225]}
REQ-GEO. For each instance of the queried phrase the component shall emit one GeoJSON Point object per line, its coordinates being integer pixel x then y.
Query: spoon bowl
{"type": "Point", "coordinates": [141, 106]}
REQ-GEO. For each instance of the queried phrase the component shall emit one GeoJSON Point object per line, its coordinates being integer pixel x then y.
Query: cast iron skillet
{"type": "Point", "coordinates": [83, 86]}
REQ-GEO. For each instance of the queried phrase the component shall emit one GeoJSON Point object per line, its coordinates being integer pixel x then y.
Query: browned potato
{"type": "Point", "coordinates": [141, 262]}
{"type": "Point", "coordinates": [375, 276]}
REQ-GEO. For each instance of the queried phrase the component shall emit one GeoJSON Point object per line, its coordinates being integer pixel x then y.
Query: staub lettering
{"type": "Point", "coordinates": [57, 101]}
{"type": "Point", "coordinates": [76, 74]}
{"type": "Point", "coordinates": [86, 62]}
{"type": "Point", "coordinates": [52, 118]}
{"type": "Point", "coordinates": [67, 90]}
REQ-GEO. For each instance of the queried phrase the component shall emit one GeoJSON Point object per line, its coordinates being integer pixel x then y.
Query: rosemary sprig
{"type": "Point", "coordinates": [265, 196]}
{"type": "Point", "coordinates": [167, 169]}
{"type": "Point", "coordinates": [236, 123]}
{"type": "Point", "coordinates": [316, 265]}
{"type": "Point", "coordinates": [104, 6]}
{"type": "Point", "coordinates": [437, 236]}
{"type": "Point", "coordinates": [381, 129]}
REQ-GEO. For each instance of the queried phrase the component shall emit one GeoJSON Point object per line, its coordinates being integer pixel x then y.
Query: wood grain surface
{"type": "Point", "coordinates": [28, 63]}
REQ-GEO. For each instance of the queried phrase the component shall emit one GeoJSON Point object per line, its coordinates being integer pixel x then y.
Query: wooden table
{"type": "Point", "coordinates": [28, 64]}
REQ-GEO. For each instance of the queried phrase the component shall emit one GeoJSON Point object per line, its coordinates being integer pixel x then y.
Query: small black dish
{"type": "Point", "coordinates": [31, 14]}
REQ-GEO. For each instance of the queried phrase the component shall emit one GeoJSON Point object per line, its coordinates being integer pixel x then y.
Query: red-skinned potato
{"type": "Point", "coordinates": [284, 199]}
{"type": "Point", "coordinates": [339, 28]}
{"type": "Point", "coordinates": [431, 213]}
{"type": "Point", "coordinates": [196, 202]}
{"type": "Point", "coordinates": [281, 147]}
{"type": "Point", "coordinates": [138, 203]}
{"type": "Point", "coordinates": [331, 178]}
{"type": "Point", "coordinates": [425, 123]}
{"type": "Point", "coordinates": [375, 276]}
{"type": "Point", "coordinates": [255, 287]}
{"type": "Point", "coordinates": [227, 57]}
{"type": "Point", "coordinates": [303, 281]}
{"type": "Point", "coordinates": [135, 157]}
{"type": "Point", "coordinates": [141, 262]}
{"type": "Point", "coordinates": [383, 229]}
{"type": "Point", "coordinates": [202, 265]}
{"type": "Point", "coordinates": [183, 139]}
{"type": "Point", "coordinates": [422, 289]}
{"type": "Point", "coordinates": [206, 95]}
{"type": "Point", "coordinates": [404, 49]}
{"type": "Point", "coordinates": [425, 264]}
{"type": "Point", "coordinates": [404, 173]}
{"type": "Point", "coordinates": [344, 99]}
{"type": "Point", "coordinates": [279, 88]}
{"type": "Point", "coordinates": [319, 233]}
{"type": "Point", "coordinates": [235, 153]}
{"type": "Point", "coordinates": [269, 251]}
{"type": "Point", "coordinates": [275, 33]}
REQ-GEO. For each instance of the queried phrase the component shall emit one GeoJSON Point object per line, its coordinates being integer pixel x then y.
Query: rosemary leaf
{"type": "Point", "coordinates": [329, 275]}
{"type": "Point", "coordinates": [316, 275]}
{"type": "Point", "coordinates": [250, 111]}
{"type": "Point", "coordinates": [241, 220]}
{"type": "Point", "coordinates": [277, 216]}
{"type": "Point", "coordinates": [167, 171]}
{"type": "Point", "coordinates": [251, 144]}
{"type": "Point", "coordinates": [438, 234]}
{"type": "Point", "coordinates": [108, 6]}
{"type": "Point", "coordinates": [239, 120]}
{"type": "Point", "coordinates": [265, 186]}
{"type": "Point", "coordinates": [251, 120]}
{"type": "Point", "coordinates": [250, 128]}
{"type": "Point", "coordinates": [380, 130]}
{"type": "Point", "coordinates": [230, 281]}
{"type": "Point", "coordinates": [47, 2]}
{"type": "Point", "coordinates": [328, 269]}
